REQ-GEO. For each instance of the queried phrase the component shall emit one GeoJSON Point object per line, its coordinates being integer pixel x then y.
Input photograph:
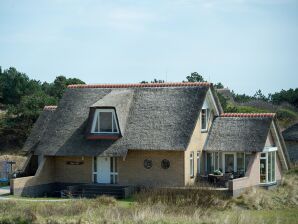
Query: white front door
{"type": "Point", "coordinates": [103, 170]}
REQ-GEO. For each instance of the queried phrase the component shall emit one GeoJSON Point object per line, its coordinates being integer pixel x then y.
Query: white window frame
{"type": "Point", "coordinates": [204, 129]}
{"type": "Point", "coordinates": [191, 164]}
{"type": "Point", "coordinates": [268, 150]}
{"type": "Point", "coordinates": [96, 117]}
{"type": "Point", "coordinates": [114, 174]}
{"type": "Point", "coordinates": [198, 163]}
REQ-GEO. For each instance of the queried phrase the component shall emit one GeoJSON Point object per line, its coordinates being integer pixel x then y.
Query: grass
{"type": "Point", "coordinates": [279, 205]}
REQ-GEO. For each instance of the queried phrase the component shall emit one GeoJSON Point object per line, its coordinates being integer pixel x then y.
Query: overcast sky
{"type": "Point", "coordinates": [245, 44]}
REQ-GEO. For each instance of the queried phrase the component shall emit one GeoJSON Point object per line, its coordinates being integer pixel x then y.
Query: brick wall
{"type": "Point", "coordinates": [66, 173]}
{"type": "Point", "coordinates": [132, 170]}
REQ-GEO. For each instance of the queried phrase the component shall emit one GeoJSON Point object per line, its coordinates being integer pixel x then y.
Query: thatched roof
{"type": "Point", "coordinates": [234, 132]}
{"type": "Point", "coordinates": [291, 133]}
{"type": "Point", "coordinates": [159, 117]}
{"type": "Point", "coordinates": [39, 128]}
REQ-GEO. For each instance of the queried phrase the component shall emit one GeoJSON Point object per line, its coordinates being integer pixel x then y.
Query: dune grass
{"type": "Point", "coordinates": [279, 205]}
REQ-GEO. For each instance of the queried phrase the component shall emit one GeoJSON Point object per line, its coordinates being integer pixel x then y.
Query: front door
{"type": "Point", "coordinates": [229, 162]}
{"type": "Point", "coordinates": [103, 170]}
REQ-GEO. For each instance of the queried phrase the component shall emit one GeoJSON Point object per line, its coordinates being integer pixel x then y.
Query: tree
{"type": "Point", "coordinates": [195, 77]}
{"type": "Point", "coordinates": [290, 96]}
{"type": "Point", "coordinates": [56, 89]}
{"type": "Point", "coordinates": [260, 96]}
{"type": "Point", "coordinates": [14, 85]}
{"type": "Point", "coordinates": [219, 85]}
{"type": "Point", "coordinates": [158, 81]}
{"type": "Point", "coordinates": [31, 105]}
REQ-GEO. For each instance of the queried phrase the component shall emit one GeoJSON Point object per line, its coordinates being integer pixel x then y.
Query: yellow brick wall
{"type": "Point", "coordinates": [73, 173]}
{"type": "Point", "coordinates": [196, 144]}
{"type": "Point", "coordinates": [132, 171]}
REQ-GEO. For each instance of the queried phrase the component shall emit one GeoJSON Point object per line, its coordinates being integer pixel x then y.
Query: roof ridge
{"type": "Point", "coordinates": [248, 115]}
{"type": "Point", "coordinates": [50, 107]}
{"type": "Point", "coordinates": [140, 85]}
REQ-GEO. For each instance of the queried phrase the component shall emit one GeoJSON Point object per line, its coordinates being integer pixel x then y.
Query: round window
{"type": "Point", "coordinates": [147, 163]}
{"type": "Point", "coordinates": [165, 164]}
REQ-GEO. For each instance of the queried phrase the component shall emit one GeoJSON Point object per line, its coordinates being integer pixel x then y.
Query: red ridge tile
{"type": "Point", "coordinates": [139, 85]}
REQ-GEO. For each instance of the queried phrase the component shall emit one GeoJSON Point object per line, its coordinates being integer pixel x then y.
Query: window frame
{"type": "Point", "coordinates": [96, 120]}
{"type": "Point", "coordinates": [206, 118]}
{"type": "Point", "coordinates": [266, 153]}
{"type": "Point", "coordinates": [191, 165]}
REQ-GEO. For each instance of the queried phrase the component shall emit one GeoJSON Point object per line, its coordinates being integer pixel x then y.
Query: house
{"type": "Point", "coordinates": [291, 139]}
{"type": "Point", "coordinates": [159, 135]}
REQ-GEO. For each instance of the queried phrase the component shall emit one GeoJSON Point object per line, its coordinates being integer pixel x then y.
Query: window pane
{"type": "Point", "coordinates": [191, 165]}
{"type": "Point", "coordinates": [95, 164]}
{"type": "Point", "coordinates": [269, 167]}
{"type": "Point", "coordinates": [198, 163]}
{"type": "Point", "coordinates": [210, 167]}
{"type": "Point", "coordinates": [240, 163]}
{"type": "Point", "coordinates": [115, 168]}
{"type": "Point", "coordinates": [114, 124]}
{"type": "Point", "coordinates": [105, 121]}
{"type": "Point", "coordinates": [229, 163]}
{"type": "Point", "coordinates": [116, 179]}
{"type": "Point", "coordinates": [263, 170]}
{"type": "Point", "coordinates": [204, 119]}
{"type": "Point", "coordinates": [95, 178]}
{"type": "Point", "coordinates": [216, 159]}
{"type": "Point", "coordinates": [96, 125]}
{"type": "Point", "coordinates": [111, 164]}
{"type": "Point", "coordinates": [273, 166]}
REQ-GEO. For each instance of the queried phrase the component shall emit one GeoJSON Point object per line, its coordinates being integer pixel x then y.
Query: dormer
{"type": "Point", "coordinates": [103, 124]}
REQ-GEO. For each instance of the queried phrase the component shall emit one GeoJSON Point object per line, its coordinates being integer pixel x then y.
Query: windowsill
{"type": "Point", "coordinates": [97, 136]}
{"type": "Point", "coordinates": [204, 130]}
{"type": "Point", "coordinates": [268, 184]}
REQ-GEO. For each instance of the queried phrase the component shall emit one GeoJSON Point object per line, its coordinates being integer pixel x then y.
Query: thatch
{"type": "Point", "coordinates": [246, 134]}
{"type": "Point", "coordinates": [291, 133]}
{"type": "Point", "coordinates": [150, 119]}
{"type": "Point", "coordinates": [39, 128]}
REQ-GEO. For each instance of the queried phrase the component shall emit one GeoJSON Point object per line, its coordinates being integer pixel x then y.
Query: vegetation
{"type": "Point", "coordinates": [279, 205]}
{"type": "Point", "coordinates": [21, 101]}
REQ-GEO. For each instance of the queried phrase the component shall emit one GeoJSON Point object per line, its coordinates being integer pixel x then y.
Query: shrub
{"type": "Point", "coordinates": [105, 200]}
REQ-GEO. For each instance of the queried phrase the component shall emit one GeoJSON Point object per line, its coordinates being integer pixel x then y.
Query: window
{"type": "Point", "coordinates": [147, 163]}
{"type": "Point", "coordinates": [114, 170]}
{"type": "Point", "coordinates": [198, 163]}
{"type": "Point", "coordinates": [165, 164]}
{"type": "Point", "coordinates": [95, 169]}
{"type": "Point", "coordinates": [104, 121]}
{"type": "Point", "coordinates": [267, 167]}
{"type": "Point", "coordinates": [191, 162]}
{"type": "Point", "coordinates": [212, 163]}
{"type": "Point", "coordinates": [204, 119]}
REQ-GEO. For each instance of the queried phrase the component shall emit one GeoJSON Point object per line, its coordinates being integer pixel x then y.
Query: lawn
{"type": "Point", "coordinates": [257, 206]}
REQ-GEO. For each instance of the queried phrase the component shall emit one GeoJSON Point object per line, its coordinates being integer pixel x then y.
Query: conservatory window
{"type": "Point", "coordinates": [267, 167]}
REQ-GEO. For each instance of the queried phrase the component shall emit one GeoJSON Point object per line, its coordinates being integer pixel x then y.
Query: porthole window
{"type": "Point", "coordinates": [147, 163]}
{"type": "Point", "coordinates": [165, 164]}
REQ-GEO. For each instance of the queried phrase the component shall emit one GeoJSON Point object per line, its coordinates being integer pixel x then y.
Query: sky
{"type": "Point", "coordinates": [245, 44]}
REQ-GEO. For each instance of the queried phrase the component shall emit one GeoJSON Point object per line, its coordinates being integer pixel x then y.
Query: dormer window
{"type": "Point", "coordinates": [104, 122]}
